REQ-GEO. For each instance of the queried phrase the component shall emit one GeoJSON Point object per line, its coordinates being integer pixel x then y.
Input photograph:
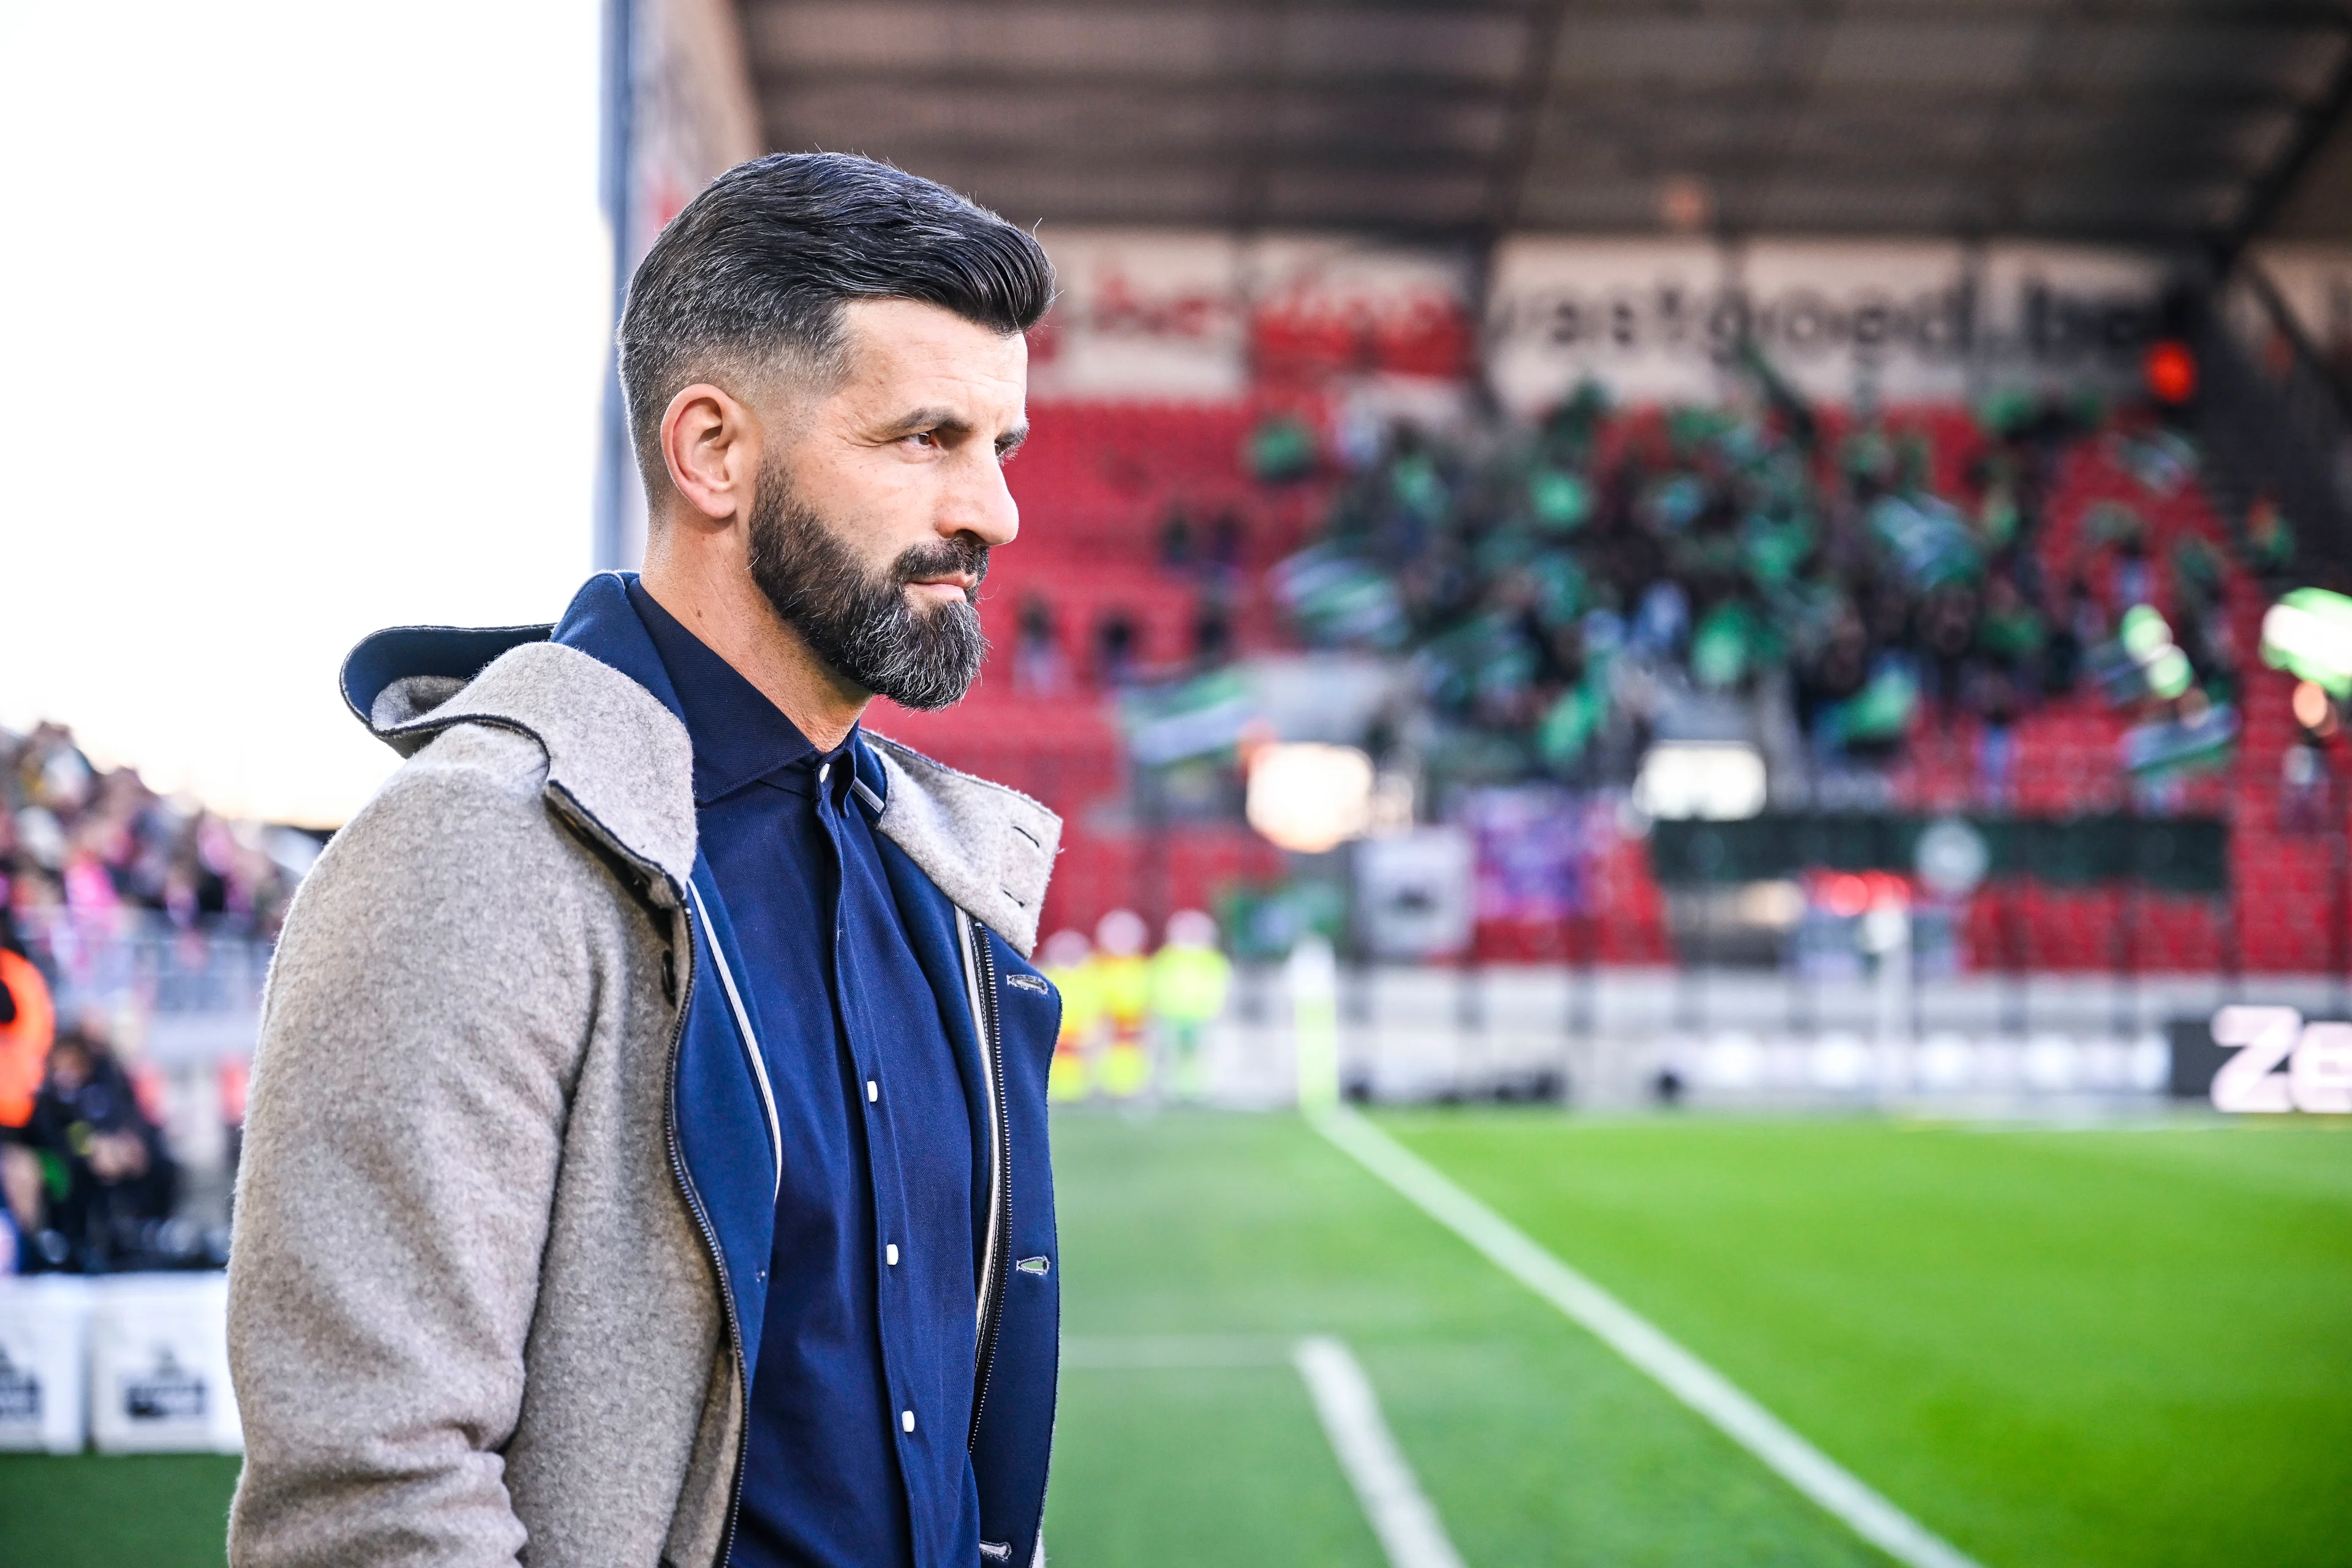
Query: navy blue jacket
{"type": "Point", "coordinates": [725, 1146]}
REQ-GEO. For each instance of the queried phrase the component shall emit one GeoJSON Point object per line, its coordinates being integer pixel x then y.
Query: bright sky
{"type": "Point", "coordinates": [302, 309]}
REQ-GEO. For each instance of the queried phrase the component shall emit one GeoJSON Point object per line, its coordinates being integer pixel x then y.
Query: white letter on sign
{"type": "Point", "coordinates": [2321, 1071]}
{"type": "Point", "coordinates": [2265, 1037]}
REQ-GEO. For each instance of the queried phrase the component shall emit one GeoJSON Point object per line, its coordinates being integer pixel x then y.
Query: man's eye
{"type": "Point", "coordinates": [924, 438]}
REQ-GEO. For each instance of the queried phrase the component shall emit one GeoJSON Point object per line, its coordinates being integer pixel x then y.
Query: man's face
{"type": "Point", "coordinates": [877, 502]}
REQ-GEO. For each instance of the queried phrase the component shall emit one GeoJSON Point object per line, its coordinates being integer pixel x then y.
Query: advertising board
{"type": "Point", "coordinates": [2271, 1060]}
{"type": "Point", "coordinates": [1204, 316]}
{"type": "Point", "coordinates": [1843, 320]}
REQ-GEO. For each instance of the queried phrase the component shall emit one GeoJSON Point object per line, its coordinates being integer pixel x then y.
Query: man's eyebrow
{"type": "Point", "coordinates": [1010, 442]}
{"type": "Point", "coordinates": [933, 418]}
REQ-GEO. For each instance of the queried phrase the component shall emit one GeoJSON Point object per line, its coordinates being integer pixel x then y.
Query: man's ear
{"type": "Point", "coordinates": [711, 445]}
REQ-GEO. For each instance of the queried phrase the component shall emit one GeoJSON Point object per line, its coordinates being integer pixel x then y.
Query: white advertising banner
{"type": "Point", "coordinates": [159, 1380]}
{"type": "Point", "coordinates": [1842, 321]}
{"type": "Point", "coordinates": [43, 1356]}
{"type": "Point", "coordinates": [1142, 314]}
{"type": "Point", "coordinates": [1148, 313]}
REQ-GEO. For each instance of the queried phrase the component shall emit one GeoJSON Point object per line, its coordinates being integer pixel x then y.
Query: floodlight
{"type": "Point", "coordinates": [2309, 634]}
{"type": "Point", "coordinates": [2168, 673]}
{"type": "Point", "coordinates": [2143, 634]}
{"type": "Point", "coordinates": [1307, 797]}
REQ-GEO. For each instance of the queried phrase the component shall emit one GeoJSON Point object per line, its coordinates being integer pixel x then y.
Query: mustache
{"type": "Point", "coordinates": [943, 557]}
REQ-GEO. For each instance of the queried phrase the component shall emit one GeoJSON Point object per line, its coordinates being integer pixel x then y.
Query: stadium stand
{"type": "Point", "coordinates": [2081, 513]}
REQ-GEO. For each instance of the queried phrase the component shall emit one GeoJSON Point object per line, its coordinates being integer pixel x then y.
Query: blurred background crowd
{"type": "Point", "coordinates": [119, 905]}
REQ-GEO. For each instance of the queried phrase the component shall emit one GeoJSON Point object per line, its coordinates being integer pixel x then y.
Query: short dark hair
{"type": "Point", "coordinates": [753, 275]}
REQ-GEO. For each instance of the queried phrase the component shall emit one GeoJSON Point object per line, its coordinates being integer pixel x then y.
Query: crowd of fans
{"type": "Point", "coordinates": [78, 838]}
{"type": "Point", "coordinates": [1566, 592]}
{"type": "Point", "coordinates": [95, 867]}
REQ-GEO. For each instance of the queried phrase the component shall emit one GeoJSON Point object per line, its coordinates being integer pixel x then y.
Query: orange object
{"type": "Point", "coordinates": [25, 1043]}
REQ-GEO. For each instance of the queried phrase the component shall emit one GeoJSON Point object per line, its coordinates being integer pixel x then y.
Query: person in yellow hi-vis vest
{"type": "Point", "coordinates": [1064, 963]}
{"type": "Point", "coordinates": [1121, 977]}
{"type": "Point", "coordinates": [1189, 977]}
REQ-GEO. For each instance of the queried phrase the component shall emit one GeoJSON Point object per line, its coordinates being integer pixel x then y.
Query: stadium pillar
{"type": "Point", "coordinates": [615, 463]}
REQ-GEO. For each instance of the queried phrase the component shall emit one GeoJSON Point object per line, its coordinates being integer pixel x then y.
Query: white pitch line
{"type": "Point", "coordinates": [1631, 1335]}
{"type": "Point", "coordinates": [1402, 1517]}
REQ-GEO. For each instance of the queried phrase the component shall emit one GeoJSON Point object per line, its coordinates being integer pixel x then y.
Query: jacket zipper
{"type": "Point", "coordinates": [687, 910]}
{"type": "Point", "coordinates": [702, 1225]}
{"type": "Point", "coordinates": [980, 969]}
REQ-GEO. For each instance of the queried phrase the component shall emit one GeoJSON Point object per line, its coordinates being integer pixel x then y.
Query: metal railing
{"type": "Point", "coordinates": [136, 972]}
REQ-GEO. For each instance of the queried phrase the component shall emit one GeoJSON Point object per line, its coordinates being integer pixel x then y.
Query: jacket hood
{"type": "Point", "coordinates": [591, 691]}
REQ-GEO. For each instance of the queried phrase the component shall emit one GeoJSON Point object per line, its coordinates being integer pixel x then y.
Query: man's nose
{"type": "Point", "coordinates": [980, 504]}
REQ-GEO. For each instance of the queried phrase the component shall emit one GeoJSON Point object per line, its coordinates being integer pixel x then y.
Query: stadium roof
{"type": "Point", "coordinates": [2093, 119]}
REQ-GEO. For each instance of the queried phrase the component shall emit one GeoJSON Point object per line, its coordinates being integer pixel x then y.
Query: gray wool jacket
{"type": "Point", "coordinates": [471, 1321]}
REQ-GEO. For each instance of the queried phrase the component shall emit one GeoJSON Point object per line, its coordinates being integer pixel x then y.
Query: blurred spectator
{"type": "Point", "coordinates": [1213, 632]}
{"type": "Point", "coordinates": [108, 1183]}
{"type": "Point", "coordinates": [27, 1025]}
{"type": "Point", "coordinates": [2082, 626]}
{"type": "Point", "coordinates": [27, 1022]}
{"type": "Point", "coordinates": [1064, 961]}
{"type": "Point", "coordinates": [1189, 980]}
{"type": "Point", "coordinates": [1997, 742]}
{"type": "Point", "coordinates": [2302, 790]}
{"type": "Point", "coordinates": [76, 840]}
{"type": "Point", "coordinates": [1121, 979]}
{"type": "Point", "coordinates": [1228, 545]}
{"type": "Point", "coordinates": [1117, 655]}
{"type": "Point", "coordinates": [2270, 537]}
{"type": "Point", "coordinates": [1176, 540]}
{"type": "Point", "coordinates": [1039, 669]}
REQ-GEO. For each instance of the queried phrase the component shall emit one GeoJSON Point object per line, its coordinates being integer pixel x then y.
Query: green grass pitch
{"type": "Point", "coordinates": [2050, 1347]}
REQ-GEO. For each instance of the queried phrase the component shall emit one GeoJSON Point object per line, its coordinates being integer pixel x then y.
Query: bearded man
{"type": "Point", "coordinates": [646, 1156]}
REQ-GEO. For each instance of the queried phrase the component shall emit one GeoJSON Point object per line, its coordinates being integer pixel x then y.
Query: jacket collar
{"type": "Point", "coordinates": [592, 691]}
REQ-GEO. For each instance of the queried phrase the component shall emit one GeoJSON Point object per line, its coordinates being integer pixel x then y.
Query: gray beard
{"type": "Point", "coordinates": [860, 624]}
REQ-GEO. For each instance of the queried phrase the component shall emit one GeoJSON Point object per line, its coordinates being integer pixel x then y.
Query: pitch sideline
{"type": "Point", "coordinates": [1403, 1517]}
{"type": "Point", "coordinates": [1400, 1514]}
{"type": "Point", "coordinates": [1697, 1384]}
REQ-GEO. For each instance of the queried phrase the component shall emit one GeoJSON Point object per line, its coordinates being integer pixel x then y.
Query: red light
{"type": "Point", "coordinates": [1843, 893]}
{"type": "Point", "coordinates": [1887, 890]}
{"type": "Point", "coordinates": [2171, 372]}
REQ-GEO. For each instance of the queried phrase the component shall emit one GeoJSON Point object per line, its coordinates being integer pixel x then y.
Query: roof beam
{"type": "Point", "coordinates": [2260, 15]}
{"type": "Point", "coordinates": [779, 89]}
{"type": "Point", "coordinates": [2271, 188]}
{"type": "Point", "coordinates": [2136, 171]}
{"type": "Point", "coordinates": [1523, 112]}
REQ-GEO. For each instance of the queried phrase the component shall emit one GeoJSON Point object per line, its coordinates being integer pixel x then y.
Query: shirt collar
{"type": "Point", "coordinates": [738, 735]}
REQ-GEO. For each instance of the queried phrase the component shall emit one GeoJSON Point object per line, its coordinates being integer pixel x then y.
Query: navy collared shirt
{"type": "Point", "coordinates": [861, 1402]}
